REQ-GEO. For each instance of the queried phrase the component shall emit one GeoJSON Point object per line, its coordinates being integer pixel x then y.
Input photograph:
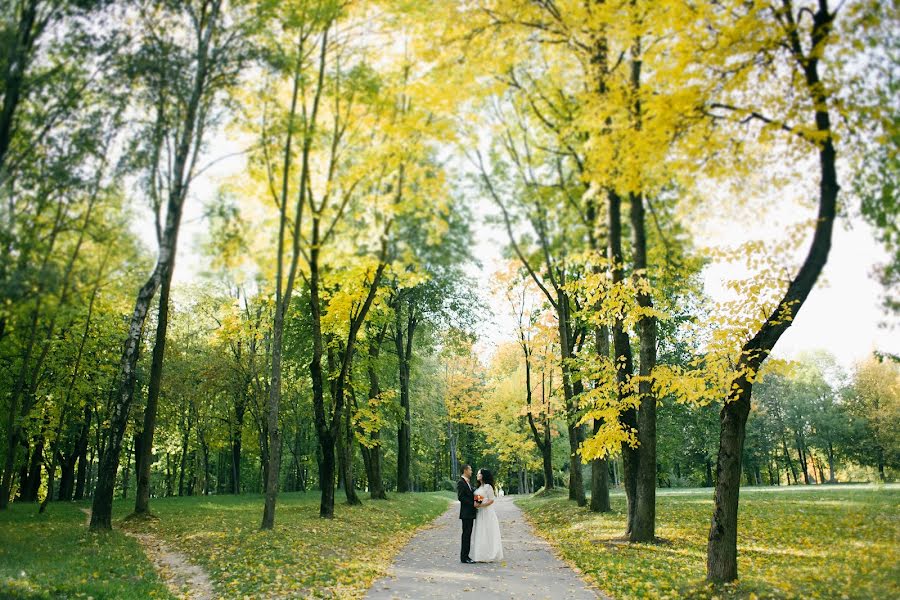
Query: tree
{"type": "Point", "coordinates": [873, 400]}
{"type": "Point", "coordinates": [184, 102]}
{"type": "Point", "coordinates": [797, 38]}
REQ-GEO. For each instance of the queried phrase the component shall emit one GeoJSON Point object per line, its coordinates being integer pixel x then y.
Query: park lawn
{"type": "Point", "coordinates": [55, 556]}
{"type": "Point", "coordinates": [802, 542]}
{"type": "Point", "coordinates": [304, 555]}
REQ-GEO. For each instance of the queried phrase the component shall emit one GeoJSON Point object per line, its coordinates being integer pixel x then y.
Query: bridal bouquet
{"type": "Point", "coordinates": [479, 498]}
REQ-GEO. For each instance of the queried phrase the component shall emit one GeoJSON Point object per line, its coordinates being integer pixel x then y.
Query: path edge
{"type": "Point", "coordinates": [406, 538]}
{"type": "Point", "coordinates": [554, 549]}
{"type": "Point", "coordinates": [155, 549]}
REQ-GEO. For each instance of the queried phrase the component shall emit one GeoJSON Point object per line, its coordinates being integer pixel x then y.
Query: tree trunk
{"type": "Point", "coordinates": [599, 483]}
{"type": "Point", "coordinates": [185, 439]}
{"type": "Point", "coordinates": [273, 464]}
{"type": "Point", "coordinates": [32, 485]}
{"type": "Point", "coordinates": [831, 478]}
{"type": "Point", "coordinates": [721, 562]}
{"type": "Point", "coordinates": [722, 548]}
{"type": "Point", "coordinates": [453, 436]}
{"type": "Point", "coordinates": [599, 466]}
{"type": "Point", "coordinates": [346, 447]}
{"type": "Point", "coordinates": [787, 457]}
{"type": "Point", "coordinates": [644, 526]}
{"type": "Point", "coordinates": [576, 482]}
{"type": "Point", "coordinates": [82, 452]}
{"type": "Point", "coordinates": [101, 511]}
{"type": "Point", "coordinates": [801, 457]}
{"type": "Point", "coordinates": [234, 479]}
{"type": "Point", "coordinates": [125, 473]}
{"type": "Point", "coordinates": [144, 456]}
{"type": "Point", "coordinates": [623, 362]}
{"type": "Point", "coordinates": [404, 356]}
{"type": "Point", "coordinates": [372, 455]}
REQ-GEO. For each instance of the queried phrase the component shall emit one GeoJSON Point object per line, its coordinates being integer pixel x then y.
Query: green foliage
{"type": "Point", "coordinates": [836, 542]}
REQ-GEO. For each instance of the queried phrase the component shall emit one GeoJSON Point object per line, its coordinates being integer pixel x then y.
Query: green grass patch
{"type": "Point", "coordinates": [54, 556]}
{"type": "Point", "coordinates": [803, 542]}
{"type": "Point", "coordinates": [304, 556]}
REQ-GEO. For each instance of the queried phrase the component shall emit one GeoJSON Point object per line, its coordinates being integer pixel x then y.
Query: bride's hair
{"type": "Point", "coordinates": [487, 478]}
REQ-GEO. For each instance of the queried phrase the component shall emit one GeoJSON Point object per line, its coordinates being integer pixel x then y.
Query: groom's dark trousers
{"type": "Point", "coordinates": [467, 514]}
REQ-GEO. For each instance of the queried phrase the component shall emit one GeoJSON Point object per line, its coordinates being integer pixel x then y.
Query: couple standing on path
{"type": "Point", "coordinates": [480, 526]}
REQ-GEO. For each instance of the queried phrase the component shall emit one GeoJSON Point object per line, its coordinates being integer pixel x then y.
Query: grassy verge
{"type": "Point", "coordinates": [54, 556]}
{"type": "Point", "coordinates": [304, 555]}
{"type": "Point", "coordinates": [804, 542]}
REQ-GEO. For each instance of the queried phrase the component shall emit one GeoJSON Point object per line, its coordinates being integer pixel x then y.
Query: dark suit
{"type": "Point", "coordinates": [467, 513]}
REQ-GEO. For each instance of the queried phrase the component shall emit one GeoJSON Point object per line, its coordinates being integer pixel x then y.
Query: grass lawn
{"type": "Point", "coordinates": [54, 556]}
{"type": "Point", "coordinates": [802, 542]}
{"type": "Point", "coordinates": [303, 556]}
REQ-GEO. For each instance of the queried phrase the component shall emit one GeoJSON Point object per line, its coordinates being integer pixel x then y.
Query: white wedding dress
{"type": "Point", "coordinates": [486, 544]}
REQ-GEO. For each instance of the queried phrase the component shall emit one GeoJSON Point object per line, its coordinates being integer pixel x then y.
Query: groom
{"type": "Point", "coordinates": [467, 512]}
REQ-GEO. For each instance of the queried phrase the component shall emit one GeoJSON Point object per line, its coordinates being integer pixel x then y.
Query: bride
{"type": "Point", "coordinates": [486, 544]}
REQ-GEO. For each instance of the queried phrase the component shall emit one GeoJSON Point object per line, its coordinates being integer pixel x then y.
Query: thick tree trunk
{"type": "Point", "coordinates": [101, 508]}
{"type": "Point", "coordinates": [722, 549]}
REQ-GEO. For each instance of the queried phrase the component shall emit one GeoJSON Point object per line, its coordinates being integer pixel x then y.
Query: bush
{"type": "Point", "coordinates": [447, 485]}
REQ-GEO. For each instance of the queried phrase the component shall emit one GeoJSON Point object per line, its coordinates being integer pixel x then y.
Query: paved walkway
{"type": "Point", "coordinates": [429, 567]}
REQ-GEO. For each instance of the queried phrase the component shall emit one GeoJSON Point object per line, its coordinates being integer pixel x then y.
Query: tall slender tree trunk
{"type": "Point", "coordinates": [623, 362]}
{"type": "Point", "coordinates": [273, 462]}
{"type": "Point", "coordinates": [237, 436]}
{"type": "Point", "coordinates": [576, 481]}
{"type": "Point", "coordinates": [145, 451]}
{"type": "Point", "coordinates": [101, 512]}
{"type": "Point", "coordinates": [403, 344]}
{"type": "Point", "coordinates": [831, 478]}
{"type": "Point", "coordinates": [347, 447]}
{"type": "Point", "coordinates": [81, 450]}
{"type": "Point", "coordinates": [801, 458]}
{"type": "Point", "coordinates": [644, 526]}
{"type": "Point", "coordinates": [600, 466]}
{"type": "Point", "coordinates": [372, 454]}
